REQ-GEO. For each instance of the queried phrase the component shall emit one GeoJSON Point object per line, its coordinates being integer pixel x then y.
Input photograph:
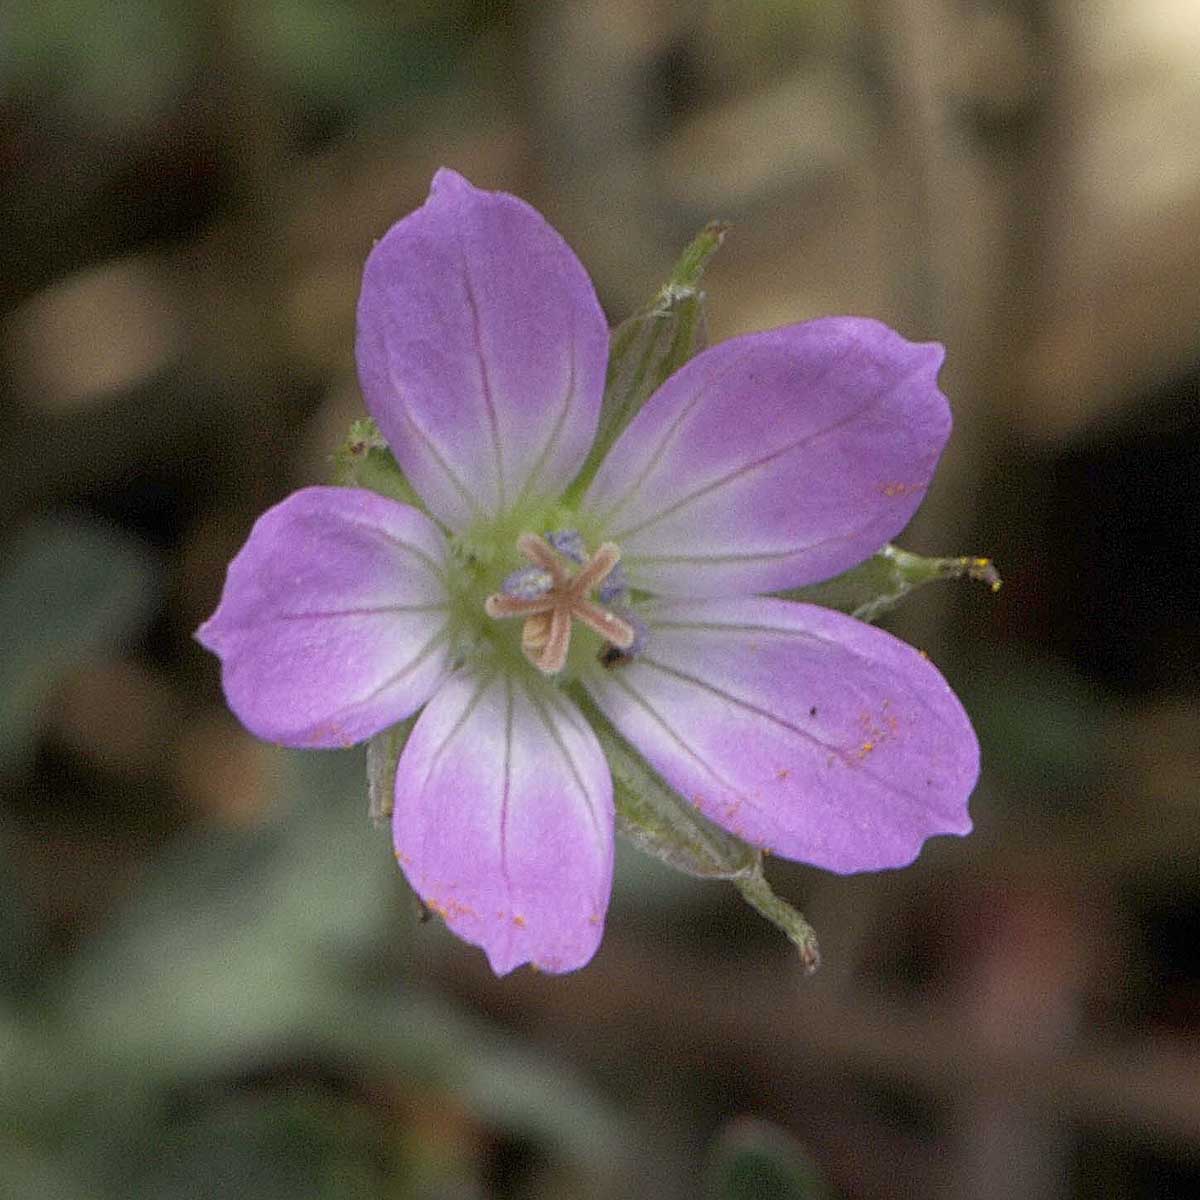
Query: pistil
{"type": "Point", "coordinates": [565, 596]}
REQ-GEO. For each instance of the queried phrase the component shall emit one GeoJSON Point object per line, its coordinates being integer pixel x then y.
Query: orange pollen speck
{"type": "Point", "coordinates": [546, 636]}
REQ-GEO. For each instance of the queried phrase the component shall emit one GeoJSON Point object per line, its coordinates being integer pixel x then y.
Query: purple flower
{"type": "Point", "coordinates": [767, 462]}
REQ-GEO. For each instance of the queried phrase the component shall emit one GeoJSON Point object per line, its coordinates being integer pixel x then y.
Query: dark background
{"type": "Point", "coordinates": [212, 980]}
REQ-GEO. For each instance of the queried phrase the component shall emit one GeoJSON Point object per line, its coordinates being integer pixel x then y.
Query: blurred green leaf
{"type": "Point", "coordinates": [243, 947]}
{"type": "Point", "coordinates": [514, 1090]}
{"type": "Point", "coordinates": [1042, 724]}
{"type": "Point", "coordinates": [239, 939]}
{"type": "Point", "coordinates": [69, 590]}
{"type": "Point", "coordinates": [276, 1145]}
{"type": "Point", "coordinates": [755, 1160]}
{"type": "Point", "coordinates": [649, 347]}
{"type": "Point", "coordinates": [20, 931]}
{"type": "Point", "coordinates": [38, 1103]}
{"type": "Point", "coordinates": [877, 585]}
{"type": "Point", "coordinates": [358, 54]}
{"type": "Point", "coordinates": [117, 63]}
{"type": "Point", "coordinates": [25, 1171]}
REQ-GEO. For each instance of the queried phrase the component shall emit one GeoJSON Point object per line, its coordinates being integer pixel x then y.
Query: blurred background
{"type": "Point", "coordinates": [213, 981]}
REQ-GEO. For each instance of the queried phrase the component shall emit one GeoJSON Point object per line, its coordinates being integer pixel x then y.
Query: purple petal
{"type": "Point", "coordinates": [504, 821]}
{"type": "Point", "coordinates": [797, 728]}
{"type": "Point", "coordinates": [775, 459]}
{"type": "Point", "coordinates": [332, 623]}
{"type": "Point", "coordinates": [481, 351]}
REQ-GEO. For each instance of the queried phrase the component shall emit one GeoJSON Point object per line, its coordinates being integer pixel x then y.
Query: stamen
{"type": "Point", "coordinates": [536, 632]}
{"type": "Point", "coordinates": [550, 597]}
{"type": "Point", "coordinates": [553, 656]}
{"type": "Point", "coordinates": [597, 568]}
{"type": "Point", "coordinates": [500, 605]}
{"type": "Point", "coordinates": [539, 552]}
{"type": "Point", "coordinates": [608, 625]}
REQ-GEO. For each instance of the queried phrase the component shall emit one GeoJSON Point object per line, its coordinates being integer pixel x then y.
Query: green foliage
{"type": "Point", "coordinates": [755, 1160]}
{"type": "Point", "coordinates": [270, 1147]}
{"type": "Point", "coordinates": [258, 951]}
{"type": "Point", "coordinates": [363, 54]}
{"type": "Point", "coordinates": [123, 62]}
{"type": "Point", "coordinates": [1061, 721]}
{"type": "Point", "coordinates": [69, 590]}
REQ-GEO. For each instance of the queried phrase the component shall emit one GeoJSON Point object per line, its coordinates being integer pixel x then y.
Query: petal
{"type": "Point", "coordinates": [504, 821]}
{"type": "Point", "coordinates": [798, 729]}
{"type": "Point", "coordinates": [332, 623]}
{"type": "Point", "coordinates": [481, 351]}
{"type": "Point", "coordinates": [775, 459]}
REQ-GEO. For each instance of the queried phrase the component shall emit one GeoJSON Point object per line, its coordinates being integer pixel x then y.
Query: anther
{"type": "Point", "coordinates": [569, 544]}
{"type": "Point", "coordinates": [614, 588]}
{"type": "Point", "coordinates": [528, 583]}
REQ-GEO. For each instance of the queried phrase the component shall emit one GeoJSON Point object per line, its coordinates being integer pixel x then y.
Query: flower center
{"type": "Point", "coordinates": [550, 596]}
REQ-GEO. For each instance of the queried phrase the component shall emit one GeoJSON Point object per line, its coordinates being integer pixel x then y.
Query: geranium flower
{"type": "Point", "coordinates": [767, 462]}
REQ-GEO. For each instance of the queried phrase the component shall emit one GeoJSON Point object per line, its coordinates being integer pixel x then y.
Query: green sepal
{"type": "Point", "coordinates": [658, 821]}
{"type": "Point", "coordinates": [383, 756]}
{"type": "Point", "coordinates": [651, 346]}
{"type": "Point", "coordinates": [364, 460]}
{"type": "Point", "coordinates": [756, 891]}
{"type": "Point", "coordinates": [876, 586]}
{"type": "Point", "coordinates": [756, 1160]}
{"type": "Point", "coordinates": [662, 824]}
